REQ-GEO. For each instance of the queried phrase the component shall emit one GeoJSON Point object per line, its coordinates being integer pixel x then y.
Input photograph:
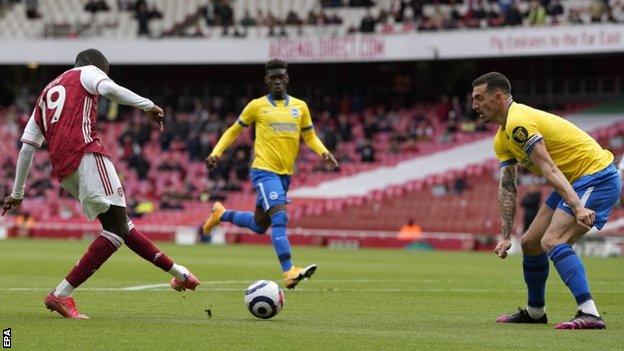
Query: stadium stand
{"type": "Point", "coordinates": [262, 18]}
{"type": "Point", "coordinates": [164, 174]}
{"type": "Point", "coordinates": [178, 181]}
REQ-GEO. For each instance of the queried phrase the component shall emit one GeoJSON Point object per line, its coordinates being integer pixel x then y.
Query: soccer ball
{"type": "Point", "coordinates": [264, 299]}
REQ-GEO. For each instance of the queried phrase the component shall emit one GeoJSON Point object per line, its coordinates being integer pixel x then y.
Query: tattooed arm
{"type": "Point", "coordinates": [540, 157]}
{"type": "Point", "coordinates": [507, 207]}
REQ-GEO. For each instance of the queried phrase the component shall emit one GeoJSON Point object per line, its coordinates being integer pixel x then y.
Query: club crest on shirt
{"type": "Point", "coordinates": [273, 195]}
{"type": "Point", "coordinates": [520, 134]}
{"type": "Point", "coordinates": [294, 112]}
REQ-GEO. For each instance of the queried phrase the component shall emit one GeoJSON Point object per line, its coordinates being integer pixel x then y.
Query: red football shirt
{"type": "Point", "coordinates": [65, 116]}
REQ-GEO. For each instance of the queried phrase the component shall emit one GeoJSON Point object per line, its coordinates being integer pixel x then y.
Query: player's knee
{"type": "Point", "coordinates": [279, 219]}
{"type": "Point", "coordinates": [260, 228]}
{"type": "Point", "coordinates": [547, 243]}
{"type": "Point", "coordinates": [261, 224]}
{"type": "Point", "coordinates": [120, 230]}
{"type": "Point", "coordinates": [530, 245]}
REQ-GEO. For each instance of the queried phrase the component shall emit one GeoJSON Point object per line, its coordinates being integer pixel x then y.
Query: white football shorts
{"type": "Point", "coordinates": [95, 185]}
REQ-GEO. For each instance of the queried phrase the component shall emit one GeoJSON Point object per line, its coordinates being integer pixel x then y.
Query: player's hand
{"type": "Point", "coordinates": [585, 217]}
{"type": "Point", "coordinates": [9, 203]}
{"type": "Point", "coordinates": [156, 114]}
{"type": "Point", "coordinates": [501, 249]}
{"type": "Point", "coordinates": [331, 161]}
{"type": "Point", "coordinates": [211, 161]}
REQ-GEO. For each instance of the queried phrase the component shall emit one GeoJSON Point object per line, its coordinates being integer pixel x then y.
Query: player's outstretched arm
{"type": "Point", "coordinates": [507, 194]}
{"type": "Point", "coordinates": [123, 96]}
{"type": "Point", "coordinates": [230, 135]}
{"type": "Point", "coordinates": [24, 162]}
{"type": "Point", "coordinates": [316, 145]}
{"type": "Point", "coordinates": [540, 157]}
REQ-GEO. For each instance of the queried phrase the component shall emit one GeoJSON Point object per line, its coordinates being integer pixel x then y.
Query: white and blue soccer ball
{"type": "Point", "coordinates": [264, 299]}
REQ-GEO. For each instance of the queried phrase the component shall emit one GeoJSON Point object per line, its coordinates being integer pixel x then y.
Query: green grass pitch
{"type": "Point", "coordinates": [358, 300]}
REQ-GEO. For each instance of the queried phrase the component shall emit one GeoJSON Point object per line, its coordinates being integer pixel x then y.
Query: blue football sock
{"type": "Point", "coordinates": [242, 219]}
{"type": "Point", "coordinates": [535, 270]}
{"type": "Point", "coordinates": [571, 270]}
{"type": "Point", "coordinates": [280, 240]}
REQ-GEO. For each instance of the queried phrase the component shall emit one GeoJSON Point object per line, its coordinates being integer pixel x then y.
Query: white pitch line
{"type": "Point", "coordinates": [144, 287]}
{"type": "Point", "coordinates": [325, 290]}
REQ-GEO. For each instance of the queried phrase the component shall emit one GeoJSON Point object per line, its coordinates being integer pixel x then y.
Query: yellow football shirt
{"type": "Point", "coordinates": [571, 149]}
{"type": "Point", "coordinates": [279, 124]}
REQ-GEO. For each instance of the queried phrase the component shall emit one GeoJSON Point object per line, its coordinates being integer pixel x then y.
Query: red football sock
{"type": "Point", "coordinates": [144, 247]}
{"type": "Point", "coordinates": [97, 253]}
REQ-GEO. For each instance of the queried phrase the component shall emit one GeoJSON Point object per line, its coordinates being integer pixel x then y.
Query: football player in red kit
{"type": "Point", "coordinates": [65, 117]}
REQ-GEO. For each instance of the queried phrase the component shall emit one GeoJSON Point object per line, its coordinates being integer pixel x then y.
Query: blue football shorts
{"type": "Point", "coordinates": [599, 192]}
{"type": "Point", "coordinates": [271, 188]}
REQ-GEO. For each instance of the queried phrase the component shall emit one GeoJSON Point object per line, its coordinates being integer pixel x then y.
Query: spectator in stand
{"type": "Point", "coordinates": [329, 136]}
{"type": "Point", "coordinates": [513, 16]}
{"type": "Point", "coordinates": [371, 126]}
{"type": "Point", "coordinates": [270, 20]}
{"type": "Point", "coordinates": [125, 5]}
{"type": "Point", "coordinates": [154, 13]}
{"type": "Point", "coordinates": [142, 15]}
{"type": "Point", "coordinates": [574, 17]}
{"type": "Point", "coordinates": [241, 165]}
{"type": "Point", "coordinates": [397, 9]}
{"type": "Point", "coordinates": [322, 18]}
{"type": "Point", "coordinates": [95, 6]}
{"type": "Point", "coordinates": [209, 13]}
{"type": "Point", "coordinates": [366, 150]}
{"type": "Point", "coordinates": [334, 19]}
{"type": "Point", "coordinates": [418, 130]}
{"type": "Point", "coordinates": [140, 164]}
{"type": "Point", "coordinates": [459, 185]}
{"type": "Point", "coordinates": [456, 107]}
{"type": "Point", "coordinates": [410, 231]}
{"type": "Point", "coordinates": [505, 5]}
{"type": "Point", "coordinates": [292, 18]}
{"type": "Point", "coordinates": [455, 15]}
{"type": "Point", "coordinates": [311, 18]}
{"type": "Point", "coordinates": [496, 18]}
{"type": "Point", "coordinates": [281, 32]}
{"type": "Point", "coordinates": [598, 9]}
{"type": "Point", "coordinates": [144, 207]}
{"type": "Point", "coordinates": [367, 25]}
{"type": "Point", "coordinates": [467, 125]}
{"type": "Point", "coordinates": [32, 9]}
{"type": "Point", "coordinates": [194, 146]}
{"type": "Point", "coordinates": [361, 3]}
{"type": "Point", "coordinates": [247, 20]}
{"type": "Point", "coordinates": [383, 16]}
{"type": "Point", "coordinates": [537, 14]}
{"type": "Point", "coordinates": [224, 15]}
{"type": "Point", "coordinates": [171, 202]}
{"type": "Point", "coordinates": [442, 108]}
{"type": "Point", "coordinates": [416, 9]}
{"type": "Point", "coordinates": [555, 10]}
{"type": "Point", "coordinates": [617, 11]}
{"type": "Point", "coordinates": [331, 3]}
{"type": "Point", "coordinates": [345, 128]}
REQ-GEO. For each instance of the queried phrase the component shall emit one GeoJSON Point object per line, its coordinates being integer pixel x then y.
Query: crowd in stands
{"type": "Point", "coordinates": [161, 170]}
{"type": "Point", "coordinates": [421, 15]}
{"type": "Point", "coordinates": [487, 14]}
{"type": "Point", "coordinates": [387, 17]}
